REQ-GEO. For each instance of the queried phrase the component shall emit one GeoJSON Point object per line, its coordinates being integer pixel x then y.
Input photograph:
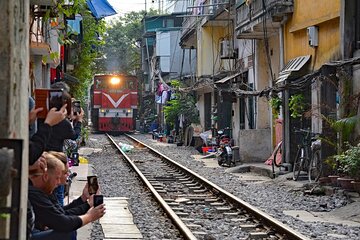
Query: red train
{"type": "Point", "coordinates": [114, 100]}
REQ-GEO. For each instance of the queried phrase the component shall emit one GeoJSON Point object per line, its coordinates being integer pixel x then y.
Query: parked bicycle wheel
{"type": "Point", "coordinates": [315, 167]}
{"type": "Point", "coordinates": [298, 163]}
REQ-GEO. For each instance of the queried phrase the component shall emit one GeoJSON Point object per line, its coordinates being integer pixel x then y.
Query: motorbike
{"type": "Point", "coordinates": [224, 151]}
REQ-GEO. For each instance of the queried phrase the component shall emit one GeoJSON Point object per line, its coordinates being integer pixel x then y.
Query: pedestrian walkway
{"type": "Point", "coordinates": [77, 186]}
{"type": "Point", "coordinates": [117, 223]}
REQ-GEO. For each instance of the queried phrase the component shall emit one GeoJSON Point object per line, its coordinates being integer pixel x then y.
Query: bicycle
{"type": "Point", "coordinates": [308, 157]}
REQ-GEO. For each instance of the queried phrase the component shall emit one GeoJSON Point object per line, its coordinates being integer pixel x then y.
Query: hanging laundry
{"type": "Point", "coordinates": [160, 89]}
{"type": "Point", "coordinates": [158, 99]}
{"type": "Point", "coordinates": [181, 120]}
{"type": "Point", "coordinates": [164, 97]}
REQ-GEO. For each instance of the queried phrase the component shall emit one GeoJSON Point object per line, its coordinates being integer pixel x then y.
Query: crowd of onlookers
{"type": "Point", "coordinates": [47, 216]}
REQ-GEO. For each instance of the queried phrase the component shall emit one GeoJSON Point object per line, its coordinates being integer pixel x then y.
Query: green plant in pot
{"type": "Point", "coordinates": [349, 162]}
{"type": "Point", "coordinates": [275, 103]}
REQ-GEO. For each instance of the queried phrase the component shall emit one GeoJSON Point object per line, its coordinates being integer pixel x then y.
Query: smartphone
{"type": "Point", "coordinates": [76, 107]}
{"type": "Point", "coordinates": [93, 185]}
{"type": "Point", "coordinates": [48, 99]}
{"type": "Point", "coordinates": [55, 99]}
{"type": "Point", "coordinates": [98, 200]}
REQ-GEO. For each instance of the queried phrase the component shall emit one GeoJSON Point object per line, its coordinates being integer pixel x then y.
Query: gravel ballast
{"type": "Point", "coordinates": [273, 197]}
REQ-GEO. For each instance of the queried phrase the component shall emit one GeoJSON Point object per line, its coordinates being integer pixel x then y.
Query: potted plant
{"type": "Point", "coordinates": [275, 103]}
{"type": "Point", "coordinates": [333, 164]}
{"type": "Point", "coordinates": [349, 164]}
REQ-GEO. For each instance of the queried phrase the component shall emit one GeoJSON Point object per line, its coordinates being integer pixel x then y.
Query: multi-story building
{"type": "Point", "coordinates": [163, 59]}
{"type": "Point", "coordinates": [250, 51]}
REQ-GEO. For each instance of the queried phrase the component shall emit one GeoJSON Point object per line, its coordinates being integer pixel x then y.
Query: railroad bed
{"type": "Point", "coordinates": [117, 180]}
{"type": "Point", "coordinates": [195, 205]}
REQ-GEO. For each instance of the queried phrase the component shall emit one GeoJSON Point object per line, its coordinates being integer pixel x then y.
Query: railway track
{"type": "Point", "coordinates": [195, 205]}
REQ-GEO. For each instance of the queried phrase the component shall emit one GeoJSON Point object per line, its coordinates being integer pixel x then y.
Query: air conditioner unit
{"type": "Point", "coordinates": [226, 49]}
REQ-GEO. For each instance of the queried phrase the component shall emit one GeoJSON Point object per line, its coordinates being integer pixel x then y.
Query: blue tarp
{"type": "Point", "coordinates": [100, 8]}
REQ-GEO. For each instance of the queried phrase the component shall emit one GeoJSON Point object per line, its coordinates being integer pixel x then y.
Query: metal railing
{"type": "Point", "coordinates": [247, 13]}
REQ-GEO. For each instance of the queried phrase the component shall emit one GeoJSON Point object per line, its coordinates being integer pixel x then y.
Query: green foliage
{"type": "Point", "coordinates": [84, 135]}
{"type": "Point", "coordinates": [59, 11]}
{"type": "Point", "coordinates": [275, 103]}
{"type": "Point", "coordinates": [5, 216]}
{"type": "Point", "coordinates": [345, 125]}
{"type": "Point", "coordinates": [87, 53]}
{"type": "Point", "coordinates": [331, 162]}
{"type": "Point", "coordinates": [120, 48]}
{"type": "Point", "coordinates": [349, 161]}
{"type": "Point", "coordinates": [183, 103]}
{"type": "Point", "coordinates": [296, 105]}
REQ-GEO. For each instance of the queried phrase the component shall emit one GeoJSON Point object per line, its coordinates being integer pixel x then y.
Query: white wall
{"type": "Point", "coordinates": [163, 50]}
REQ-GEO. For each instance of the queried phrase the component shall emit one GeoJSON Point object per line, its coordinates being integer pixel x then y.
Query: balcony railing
{"type": "Point", "coordinates": [204, 12]}
{"type": "Point", "coordinates": [248, 16]}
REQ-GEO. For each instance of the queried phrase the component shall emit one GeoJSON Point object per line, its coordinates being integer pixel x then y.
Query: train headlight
{"type": "Point", "coordinates": [115, 80]}
{"type": "Point", "coordinates": [102, 110]}
{"type": "Point", "coordinates": [129, 110]}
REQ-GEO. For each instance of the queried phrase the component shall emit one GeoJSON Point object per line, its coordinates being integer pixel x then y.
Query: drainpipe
{"type": "Point", "coordinates": [285, 97]}
{"type": "Point", "coordinates": [281, 40]}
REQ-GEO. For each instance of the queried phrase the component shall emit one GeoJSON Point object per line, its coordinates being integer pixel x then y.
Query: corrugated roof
{"type": "Point", "coordinates": [225, 79]}
{"type": "Point", "coordinates": [293, 65]}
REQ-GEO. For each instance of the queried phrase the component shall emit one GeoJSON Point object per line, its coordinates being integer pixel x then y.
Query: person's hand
{"type": "Point", "coordinates": [54, 117]}
{"type": "Point", "coordinates": [33, 114]}
{"type": "Point", "coordinates": [91, 200]}
{"type": "Point", "coordinates": [96, 212]}
{"type": "Point", "coordinates": [85, 194]}
{"type": "Point", "coordinates": [40, 166]}
{"type": "Point", "coordinates": [79, 116]}
{"type": "Point", "coordinates": [91, 197]}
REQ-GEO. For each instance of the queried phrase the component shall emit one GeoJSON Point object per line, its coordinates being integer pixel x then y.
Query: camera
{"type": "Point", "coordinates": [98, 200]}
{"type": "Point", "coordinates": [93, 185]}
{"type": "Point", "coordinates": [51, 98]}
{"type": "Point", "coordinates": [76, 107]}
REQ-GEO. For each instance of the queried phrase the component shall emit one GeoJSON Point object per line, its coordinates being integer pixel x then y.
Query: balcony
{"type": "Point", "coordinates": [208, 13]}
{"type": "Point", "coordinates": [218, 12]}
{"type": "Point", "coordinates": [188, 33]}
{"type": "Point", "coordinates": [250, 18]}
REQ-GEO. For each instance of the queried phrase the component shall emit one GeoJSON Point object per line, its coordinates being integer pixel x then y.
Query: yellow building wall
{"type": "Point", "coordinates": [324, 14]}
{"type": "Point", "coordinates": [263, 76]}
{"type": "Point", "coordinates": [208, 49]}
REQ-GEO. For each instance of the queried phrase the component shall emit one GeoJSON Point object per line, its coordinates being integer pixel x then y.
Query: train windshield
{"type": "Point", "coordinates": [113, 82]}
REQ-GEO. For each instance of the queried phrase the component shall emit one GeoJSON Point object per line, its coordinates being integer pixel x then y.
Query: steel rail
{"type": "Point", "coordinates": [186, 232]}
{"type": "Point", "coordinates": [278, 226]}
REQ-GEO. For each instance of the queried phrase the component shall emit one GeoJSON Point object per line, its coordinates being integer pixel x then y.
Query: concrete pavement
{"type": "Point", "coordinates": [77, 186]}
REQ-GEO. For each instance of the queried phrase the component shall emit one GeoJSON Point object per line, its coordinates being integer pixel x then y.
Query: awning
{"type": "Point", "coordinates": [100, 8]}
{"type": "Point", "coordinates": [225, 79]}
{"type": "Point", "coordinates": [293, 65]}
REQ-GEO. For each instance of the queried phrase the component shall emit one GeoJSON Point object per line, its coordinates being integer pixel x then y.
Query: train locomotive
{"type": "Point", "coordinates": [114, 100]}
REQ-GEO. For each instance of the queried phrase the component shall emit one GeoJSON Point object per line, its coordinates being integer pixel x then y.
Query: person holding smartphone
{"type": "Point", "coordinates": [48, 213]}
{"type": "Point", "coordinates": [62, 131]}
